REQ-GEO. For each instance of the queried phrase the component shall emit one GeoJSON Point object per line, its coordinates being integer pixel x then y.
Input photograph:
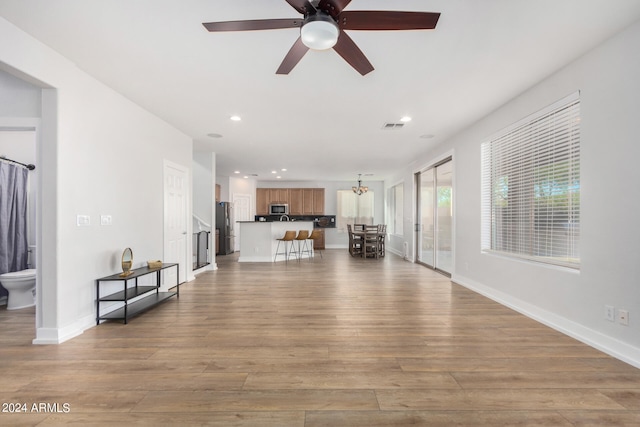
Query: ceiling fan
{"type": "Point", "coordinates": [322, 27]}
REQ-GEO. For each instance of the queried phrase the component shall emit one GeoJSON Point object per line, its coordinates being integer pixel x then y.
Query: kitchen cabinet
{"type": "Point", "coordinates": [301, 201]}
{"type": "Point", "coordinates": [296, 201]}
{"type": "Point", "coordinates": [318, 201]}
{"type": "Point", "coordinates": [306, 202]}
{"type": "Point", "coordinates": [318, 244]}
{"type": "Point", "coordinates": [262, 201]}
{"type": "Point", "coordinates": [278, 195]}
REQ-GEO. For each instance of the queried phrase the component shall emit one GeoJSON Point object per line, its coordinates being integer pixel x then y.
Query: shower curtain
{"type": "Point", "coordinates": [13, 218]}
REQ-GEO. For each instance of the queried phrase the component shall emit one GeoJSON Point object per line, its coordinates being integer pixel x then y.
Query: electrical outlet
{"type": "Point", "coordinates": [609, 313]}
{"type": "Point", "coordinates": [623, 317]}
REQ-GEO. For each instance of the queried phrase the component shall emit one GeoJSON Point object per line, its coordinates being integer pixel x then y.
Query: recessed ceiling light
{"type": "Point", "coordinates": [235, 118]}
{"type": "Point", "coordinates": [405, 119]}
{"type": "Point", "coordinates": [214, 135]}
{"type": "Point", "coordinates": [427, 136]}
{"type": "Point", "coordinates": [246, 176]}
{"type": "Point", "coordinates": [236, 171]}
{"type": "Point", "coordinates": [278, 177]}
{"type": "Point", "coordinates": [283, 170]}
{"type": "Point", "coordinates": [274, 171]}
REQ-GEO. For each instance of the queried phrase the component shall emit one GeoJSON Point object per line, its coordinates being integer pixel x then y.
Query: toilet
{"type": "Point", "coordinates": [21, 286]}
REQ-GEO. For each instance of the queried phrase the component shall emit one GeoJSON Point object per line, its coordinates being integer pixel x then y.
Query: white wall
{"type": "Point", "coordinates": [204, 196]}
{"type": "Point", "coordinates": [203, 186]}
{"type": "Point", "coordinates": [571, 301]}
{"type": "Point", "coordinates": [19, 98]}
{"type": "Point", "coordinates": [98, 154]}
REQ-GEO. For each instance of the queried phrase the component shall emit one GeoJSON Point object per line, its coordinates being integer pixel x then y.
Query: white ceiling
{"type": "Point", "coordinates": [324, 120]}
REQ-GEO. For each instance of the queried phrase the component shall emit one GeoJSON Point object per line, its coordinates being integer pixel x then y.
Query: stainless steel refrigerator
{"type": "Point", "coordinates": [224, 223]}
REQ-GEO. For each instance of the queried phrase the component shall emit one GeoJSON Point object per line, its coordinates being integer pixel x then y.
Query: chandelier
{"type": "Point", "coordinates": [360, 189]}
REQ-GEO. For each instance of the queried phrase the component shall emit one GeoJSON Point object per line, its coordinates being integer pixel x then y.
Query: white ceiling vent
{"type": "Point", "coordinates": [392, 126]}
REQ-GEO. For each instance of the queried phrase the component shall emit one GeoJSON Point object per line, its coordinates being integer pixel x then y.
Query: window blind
{"type": "Point", "coordinates": [354, 209]}
{"type": "Point", "coordinates": [531, 187]}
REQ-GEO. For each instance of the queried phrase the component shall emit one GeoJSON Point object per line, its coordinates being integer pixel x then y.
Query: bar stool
{"type": "Point", "coordinates": [316, 234]}
{"type": "Point", "coordinates": [289, 236]}
{"type": "Point", "coordinates": [301, 238]}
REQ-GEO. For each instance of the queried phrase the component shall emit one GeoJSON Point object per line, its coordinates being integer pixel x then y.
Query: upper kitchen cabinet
{"type": "Point", "coordinates": [318, 201]}
{"type": "Point", "coordinates": [295, 201]}
{"type": "Point", "coordinates": [279, 195]}
{"type": "Point", "coordinates": [306, 201]}
{"type": "Point", "coordinates": [262, 201]}
{"type": "Point", "coordinates": [301, 201]}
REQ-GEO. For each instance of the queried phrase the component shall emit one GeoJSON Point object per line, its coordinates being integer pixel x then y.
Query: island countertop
{"type": "Point", "coordinates": [258, 239]}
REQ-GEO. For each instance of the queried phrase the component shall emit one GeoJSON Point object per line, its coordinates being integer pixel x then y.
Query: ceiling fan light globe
{"type": "Point", "coordinates": [319, 35]}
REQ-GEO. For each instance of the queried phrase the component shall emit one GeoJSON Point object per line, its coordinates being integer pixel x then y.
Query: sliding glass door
{"type": "Point", "coordinates": [435, 217]}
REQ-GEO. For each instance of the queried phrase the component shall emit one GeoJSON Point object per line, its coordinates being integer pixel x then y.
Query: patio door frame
{"type": "Point", "coordinates": [418, 215]}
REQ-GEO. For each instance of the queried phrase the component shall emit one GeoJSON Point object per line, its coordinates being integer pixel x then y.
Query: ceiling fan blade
{"type": "Point", "coordinates": [258, 24]}
{"type": "Point", "coordinates": [333, 7]}
{"type": "Point", "coordinates": [387, 20]}
{"type": "Point", "coordinates": [294, 56]}
{"type": "Point", "coordinates": [302, 6]}
{"type": "Point", "coordinates": [351, 53]}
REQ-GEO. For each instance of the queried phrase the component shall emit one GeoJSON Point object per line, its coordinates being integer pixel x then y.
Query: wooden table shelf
{"type": "Point", "coordinates": [128, 293]}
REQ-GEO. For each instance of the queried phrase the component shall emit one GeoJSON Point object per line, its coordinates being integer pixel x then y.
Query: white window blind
{"type": "Point", "coordinates": [531, 187]}
{"type": "Point", "coordinates": [354, 209]}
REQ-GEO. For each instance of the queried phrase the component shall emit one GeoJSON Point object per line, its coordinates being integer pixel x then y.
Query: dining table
{"type": "Point", "coordinates": [371, 242]}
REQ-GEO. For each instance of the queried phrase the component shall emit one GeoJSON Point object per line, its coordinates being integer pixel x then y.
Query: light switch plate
{"type": "Point", "coordinates": [83, 220]}
{"type": "Point", "coordinates": [105, 219]}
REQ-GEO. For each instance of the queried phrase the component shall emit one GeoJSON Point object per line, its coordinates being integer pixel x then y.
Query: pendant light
{"type": "Point", "coordinates": [360, 189]}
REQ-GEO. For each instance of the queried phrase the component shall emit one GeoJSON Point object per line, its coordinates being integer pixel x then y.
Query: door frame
{"type": "Point", "coordinates": [417, 228]}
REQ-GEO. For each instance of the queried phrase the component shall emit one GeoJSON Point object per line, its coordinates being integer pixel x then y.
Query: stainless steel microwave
{"type": "Point", "coordinates": [278, 209]}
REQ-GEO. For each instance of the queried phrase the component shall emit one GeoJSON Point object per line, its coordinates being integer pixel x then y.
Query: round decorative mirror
{"type": "Point", "coordinates": [127, 262]}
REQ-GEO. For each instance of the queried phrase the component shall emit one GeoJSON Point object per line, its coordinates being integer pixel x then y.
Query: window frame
{"type": "Point", "coordinates": [531, 187]}
{"type": "Point", "coordinates": [395, 209]}
{"type": "Point", "coordinates": [342, 221]}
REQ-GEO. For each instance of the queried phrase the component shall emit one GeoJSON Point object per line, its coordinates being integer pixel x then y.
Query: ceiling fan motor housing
{"type": "Point", "coordinates": [319, 31]}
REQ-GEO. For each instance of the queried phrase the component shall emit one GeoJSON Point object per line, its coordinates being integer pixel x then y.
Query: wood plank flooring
{"type": "Point", "coordinates": [337, 341]}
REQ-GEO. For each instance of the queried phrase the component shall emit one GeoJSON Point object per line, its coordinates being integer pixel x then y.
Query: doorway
{"type": "Point", "coordinates": [434, 228]}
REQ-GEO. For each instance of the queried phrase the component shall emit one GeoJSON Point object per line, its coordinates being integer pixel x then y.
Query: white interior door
{"type": "Point", "coordinates": [242, 212]}
{"type": "Point", "coordinates": [175, 221]}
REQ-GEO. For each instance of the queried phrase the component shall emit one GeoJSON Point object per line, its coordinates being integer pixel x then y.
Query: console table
{"type": "Point", "coordinates": [130, 309]}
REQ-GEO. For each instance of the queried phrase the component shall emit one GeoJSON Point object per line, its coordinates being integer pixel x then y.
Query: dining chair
{"type": "Point", "coordinates": [355, 242]}
{"type": "Point", "coordinates": [370, 243]}
{"type": "Point", "coordinates": [382, 234]}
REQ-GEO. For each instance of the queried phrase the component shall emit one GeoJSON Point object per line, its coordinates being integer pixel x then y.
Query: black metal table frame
{"type": "Point", "coordinates": [129, 293]}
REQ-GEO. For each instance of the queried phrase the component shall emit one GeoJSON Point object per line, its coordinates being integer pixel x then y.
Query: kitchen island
{"type": "Point", "coordinates": [258, 239]}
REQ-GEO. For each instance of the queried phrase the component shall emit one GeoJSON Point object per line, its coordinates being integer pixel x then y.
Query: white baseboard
{"type": "Point", "coordinates": [60, 335]}
{"type": "Point", "coordinates": [613, 347]}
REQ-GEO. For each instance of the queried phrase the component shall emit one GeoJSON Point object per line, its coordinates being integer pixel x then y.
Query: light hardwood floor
{"type": "Point", "coordinates": [338, 341]}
